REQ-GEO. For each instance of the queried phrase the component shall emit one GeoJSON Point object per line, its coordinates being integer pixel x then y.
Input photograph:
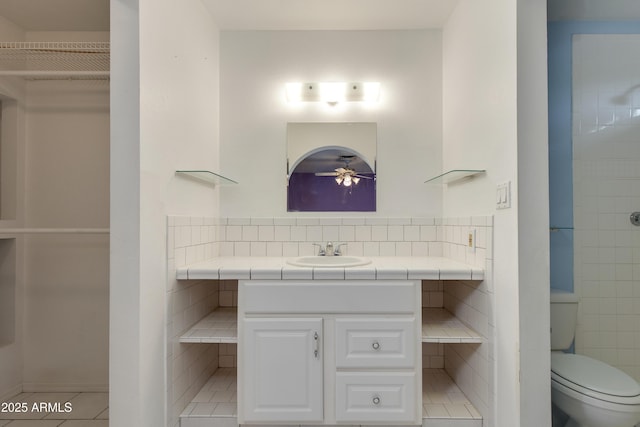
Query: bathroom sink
{"type": "Point", "coordinates": [328, 261]}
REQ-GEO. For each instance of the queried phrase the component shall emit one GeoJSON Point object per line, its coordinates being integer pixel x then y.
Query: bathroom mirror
{"type": "Point", "coordinates": [331, 167]}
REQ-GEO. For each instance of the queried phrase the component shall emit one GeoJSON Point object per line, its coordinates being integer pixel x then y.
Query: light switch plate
{"type": "Point", "coordinates": [503, 195]}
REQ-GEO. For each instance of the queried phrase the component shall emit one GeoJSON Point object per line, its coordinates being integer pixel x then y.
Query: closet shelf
{"type": "Point", "coordinates": [207, 176]}
{"type": "Point", "coordinates": [55, 60]}
{"type": "Point", "coordinates": [220, 326]}
{"type": "Point", "coordinates": [454, 175]}
{"type": "Point", "coordinates": [54, 231]}
{"type": "Point", "coordinates": [440, 326]}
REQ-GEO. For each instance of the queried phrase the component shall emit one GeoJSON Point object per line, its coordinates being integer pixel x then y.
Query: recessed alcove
{"type": "Point", "coordinates": [8, 157]}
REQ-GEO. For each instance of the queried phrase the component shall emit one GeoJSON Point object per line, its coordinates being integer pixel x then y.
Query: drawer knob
{"type": "Point", "coordinates": [376, 400]}
{"type": "Point", "coordinates": [376, 345]}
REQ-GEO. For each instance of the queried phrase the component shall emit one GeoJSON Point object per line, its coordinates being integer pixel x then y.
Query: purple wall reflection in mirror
{"type": "Point", "coordinates": [313, 186]}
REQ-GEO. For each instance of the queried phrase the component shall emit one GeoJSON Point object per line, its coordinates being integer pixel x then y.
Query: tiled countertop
{"type": "Point", "coordinates": [380, 268]}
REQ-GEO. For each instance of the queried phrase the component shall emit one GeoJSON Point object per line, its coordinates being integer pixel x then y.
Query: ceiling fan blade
{"type": "Point", "coordinates": [326, 173]}
{"type": "Point", "coordinates": [362, 176]}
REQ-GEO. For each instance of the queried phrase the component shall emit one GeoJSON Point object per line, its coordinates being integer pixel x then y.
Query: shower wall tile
{"type": "Point", "coordinates": [606, 173]}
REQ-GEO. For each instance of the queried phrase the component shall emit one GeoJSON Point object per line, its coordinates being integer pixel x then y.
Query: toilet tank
{"type": "Point", "coordinates": [564, 313]}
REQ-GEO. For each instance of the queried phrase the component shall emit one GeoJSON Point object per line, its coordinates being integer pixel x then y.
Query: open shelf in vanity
{"type": "Point", "coordinates": [438, 326]}
{"type": "Point", "coordinates": [442, 327]}
{"type": "Point", "coordinates": [218, 327]}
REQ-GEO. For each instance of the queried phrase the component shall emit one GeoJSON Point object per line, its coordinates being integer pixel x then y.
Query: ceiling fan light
{"type": "Point", "coordinates": [347, 180]}
{"type": "Point", "coordinates": [356, 180]}
{"type": "Point", "coordinates": [339, 180]}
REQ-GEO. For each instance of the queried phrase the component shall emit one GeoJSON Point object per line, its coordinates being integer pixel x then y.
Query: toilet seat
{"type": "Point", "coordinates": [594, 379]}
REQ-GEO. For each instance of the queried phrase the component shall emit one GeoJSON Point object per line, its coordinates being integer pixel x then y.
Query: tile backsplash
{"type": "Point", "coordinates": [196, 239]}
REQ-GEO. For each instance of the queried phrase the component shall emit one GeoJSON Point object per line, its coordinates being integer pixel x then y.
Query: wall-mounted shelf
{"type": "Point", "coordinates": [556, 229]}
{"type": "Point", "coordinates": [454, 175]}
{"type": "Point", "coordinates": [207, 176]}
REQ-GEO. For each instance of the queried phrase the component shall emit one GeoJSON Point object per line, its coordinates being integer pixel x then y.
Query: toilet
{"type": "Point", "coordinates": [590, 392]}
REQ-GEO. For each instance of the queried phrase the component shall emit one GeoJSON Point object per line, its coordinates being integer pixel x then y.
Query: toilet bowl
{"type": "Point", "coordinates": [590, 392]}
{"type": "Point", "coordinates": [593, 393]}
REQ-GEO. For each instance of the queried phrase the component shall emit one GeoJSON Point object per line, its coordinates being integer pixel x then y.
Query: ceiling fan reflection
{"type": "Point", "coordinates": [345, 175]}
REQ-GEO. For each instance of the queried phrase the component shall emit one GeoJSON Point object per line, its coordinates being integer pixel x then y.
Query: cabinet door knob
{"type": "Point", "coordinates": [376, 400]}
{"type": "Point", "coordinates": [376, 345]}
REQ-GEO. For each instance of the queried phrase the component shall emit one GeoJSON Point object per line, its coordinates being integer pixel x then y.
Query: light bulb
{"type": "Point", "coordinates": [347, 180]}
{"type": "Point", "coordinates": [332, 92]}
{"type": "Point", "coordinates": [294, 92]}
{"type": "Point", "coordinates": [371, 91]}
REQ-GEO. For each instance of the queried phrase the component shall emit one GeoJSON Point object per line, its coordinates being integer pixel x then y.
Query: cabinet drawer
{"type": "Point", "coordinates": [376, 396]}
{"type": "Point", "coordinates": [327, 296]}
{"type": "Point", "coordinates": [376, 342]}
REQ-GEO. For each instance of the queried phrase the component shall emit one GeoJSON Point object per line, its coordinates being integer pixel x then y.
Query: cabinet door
{"type": "Point", "coordinates": [282, 361]}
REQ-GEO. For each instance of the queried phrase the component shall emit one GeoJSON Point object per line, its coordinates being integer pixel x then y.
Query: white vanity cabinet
{"type": "Point", "coordinates": [329, 352]}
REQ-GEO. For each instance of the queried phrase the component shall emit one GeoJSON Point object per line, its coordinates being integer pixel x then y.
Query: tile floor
{"type": "Point", "coordinates": [442, 399]}
{"type": "Point", "coordinates": [56, 410]}
{"type": "Point", "coordinates": [218, 397]}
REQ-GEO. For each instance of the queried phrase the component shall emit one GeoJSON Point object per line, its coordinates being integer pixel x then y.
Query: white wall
{"type": "Point", "coordinates": [480, 132]}
{"type": "Point", "coordinates": [126, 402]}
{"type": "Point", "coordinates": [255, 68]}
{"type": "Point", "coordinates": [533, 215]}
{"type": "Point", "coordinates": [488, 92]}
{"type": "Point", "coordinates": [164, 117]}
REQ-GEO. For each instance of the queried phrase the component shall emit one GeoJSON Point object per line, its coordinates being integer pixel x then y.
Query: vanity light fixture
{"type": "Point", "coordinates": [333, 92]}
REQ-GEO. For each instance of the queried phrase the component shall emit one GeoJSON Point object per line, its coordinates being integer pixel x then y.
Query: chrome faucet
{"type": "Point", "coordinates": [321, 251]}
{"type": "Point", "coordinates": [329, 249]}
